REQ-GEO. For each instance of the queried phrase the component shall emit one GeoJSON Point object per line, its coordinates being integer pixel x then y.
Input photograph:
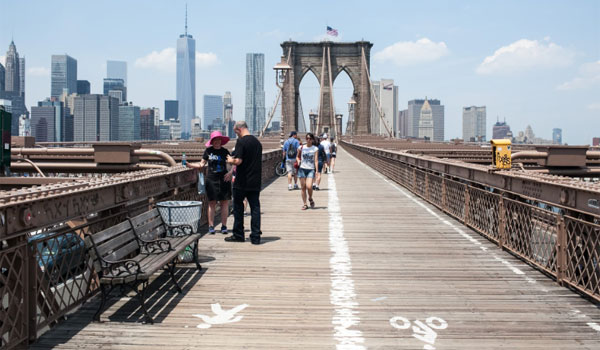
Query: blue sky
{"type": "Point", "coordinates": [531, 62]}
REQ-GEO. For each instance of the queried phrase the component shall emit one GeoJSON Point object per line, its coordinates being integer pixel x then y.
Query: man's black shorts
{"type": "Point", "coordinates": [217, 189]}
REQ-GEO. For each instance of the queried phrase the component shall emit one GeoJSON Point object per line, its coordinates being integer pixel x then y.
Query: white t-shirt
{"type": "Point", "coordinates": [308, 157]}
{"type": "Point", "coordinates": [325, 145]}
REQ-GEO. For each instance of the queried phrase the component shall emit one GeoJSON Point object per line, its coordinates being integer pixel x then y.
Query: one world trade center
{"type": "Point", "coordinates": [186, 80]}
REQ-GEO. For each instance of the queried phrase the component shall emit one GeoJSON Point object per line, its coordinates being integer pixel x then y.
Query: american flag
{"type": "Point", "coordinates": [331, 31]}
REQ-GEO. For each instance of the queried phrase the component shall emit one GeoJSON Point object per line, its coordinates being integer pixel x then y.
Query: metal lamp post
{"type": "Point", "coordinates": [351, 106]}
{"type": "Point", "coordinates": [281, 70]}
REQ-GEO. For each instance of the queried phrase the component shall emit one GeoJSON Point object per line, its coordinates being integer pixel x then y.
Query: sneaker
{"type": "Point", "coordinates": [290, 187]}
{"type": "Point", "coordinates": [296, 186]}
{"type": "Point", "coordinates": [316, 188]}
{"type": "Point", "coordinates": [255, 241]}
{"type": "Point", "coordinates": [224, 229]}
{"type": "Point", "coordinates": [211, 230]}
{"type": "Point", "coordinates": [234, 239]}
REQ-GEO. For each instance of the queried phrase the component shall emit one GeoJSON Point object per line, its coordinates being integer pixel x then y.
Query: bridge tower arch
{"type": "Point", "coordinates": [326, 60]}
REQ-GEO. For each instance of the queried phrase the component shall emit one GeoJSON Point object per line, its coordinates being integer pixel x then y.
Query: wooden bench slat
{"type": "Point", "coordinates": [111, 232]}
{"type": "Point", "coordinates": [117, 243]}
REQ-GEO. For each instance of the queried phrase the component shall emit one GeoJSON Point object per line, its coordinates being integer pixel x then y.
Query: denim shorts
{"type": "Point", "coordinates": [306, 173]}
{"type": "Point", "coordinates": [320, 167]}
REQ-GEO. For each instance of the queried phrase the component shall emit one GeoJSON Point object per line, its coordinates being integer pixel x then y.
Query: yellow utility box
{"type": "Point", "coordinates": [501, 153]}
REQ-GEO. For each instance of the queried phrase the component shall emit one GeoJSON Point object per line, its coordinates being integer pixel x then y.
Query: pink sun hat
{"type": "Point", "coordinates": [214, 135]}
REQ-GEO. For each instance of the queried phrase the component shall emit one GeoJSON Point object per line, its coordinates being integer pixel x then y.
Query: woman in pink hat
{"type": "Point", "coordinates": [218, 186]}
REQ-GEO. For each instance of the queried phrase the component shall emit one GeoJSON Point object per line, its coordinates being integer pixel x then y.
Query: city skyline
{"type": "Point", "coordinates": [464, 55]}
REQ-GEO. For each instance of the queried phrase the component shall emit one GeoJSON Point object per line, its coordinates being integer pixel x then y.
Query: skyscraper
{"type": "Point", "coordinates": [43, 123]}
{"type": "Point", "coordinates": [228, 114]}
{"type": "Point", "coordinates": [255, 91]}
{"type": "Point", "coordinates": [186, 79]}
{"type": "Point", "coordinates": [414, 113]}
{"type": "Point", "coordinates": [2, 77]}
{"type": "Point", "coordinates": [387, 95]}
{"type": "Point", "coordinates": [22, 76]}
{"type": "Point", "coordinates": [116, 85]}
{"type": "Point", "coordinates": [13, 78]}
{"type": "Point", "coordinates": [474, 123]}
{"type": "Point", "coordinates": [171, 110]}
{"type": "Point", "coordinates": [557, 136]}
{"type": "Point", "coordinates": [83, 87]}
{"type": "Point", "coordinates": [129, 123]}
{"type": "Point", "coordinates": [426, 122]}
{"type": "Point", "coordinates": [147, 126]}
{"type": "Point", "coordinates": [213, 112]}
{"type": "Point", "coordinates": [96, 118]}
{"type": "Point", "coordinates": [117, 70]}
{"type": "Point", "coordinates": [64, 75]}
{"type": "Point", "coordinates": [501, 130]}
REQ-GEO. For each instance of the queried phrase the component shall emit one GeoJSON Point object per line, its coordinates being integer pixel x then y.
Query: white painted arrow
{"type": "Point", "coordinates": [221, 316]}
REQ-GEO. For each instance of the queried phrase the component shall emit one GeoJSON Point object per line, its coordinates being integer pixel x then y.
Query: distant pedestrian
{"type": "Point", "coordinates": [333, 151]}
{"type": "Point", "coordinates": [217, 187]}
{"type": "Point", "coordinates": [248, 162]}
{"type": "Point", "coordinates": [308, 160]}
{"type": "Point", "coordinates": [290, 151]}
{"type": "Point", "coordinates": [322, 160]}
{"type": "Point", "coordinates": [326, 146]}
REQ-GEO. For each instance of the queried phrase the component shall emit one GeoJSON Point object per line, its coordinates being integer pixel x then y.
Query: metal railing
{"type": "Point", "coordinates": [45, 272]}
{"type": "Point", "coordinates": [561, 242]}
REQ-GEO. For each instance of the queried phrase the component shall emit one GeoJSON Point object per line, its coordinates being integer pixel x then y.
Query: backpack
{"type": "Point", "coordinates": [332, 148]}
{"type": "Point", "coordinates": [292, 151]}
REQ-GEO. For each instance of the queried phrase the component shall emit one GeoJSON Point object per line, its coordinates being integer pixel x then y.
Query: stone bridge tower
{"type": "Point", "coordinates": [326, 60]}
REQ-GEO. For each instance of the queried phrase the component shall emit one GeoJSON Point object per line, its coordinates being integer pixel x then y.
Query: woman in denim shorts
{"type": "Point", "coordinates": [308, 160]}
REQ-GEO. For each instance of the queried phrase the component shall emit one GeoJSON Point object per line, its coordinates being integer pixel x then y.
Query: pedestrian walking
{"type": "Point", "coordinates": [326, 146]}
{"type": "Point", "coordinates": [333, 151]}
{"type": "Point", "coordinates": [248, 162]}
{"type": "Point", "coordinates": [218, 189]}
{"type": "Point", "coordinates": [290, 151]}
{"type": "Point", "coordinates": [308, 160]}
{"type": "Point", "coordinates": [322, 159]}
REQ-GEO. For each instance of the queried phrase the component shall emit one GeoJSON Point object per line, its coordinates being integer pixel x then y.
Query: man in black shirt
{"type": "Point", "coordinates": [248, 161]}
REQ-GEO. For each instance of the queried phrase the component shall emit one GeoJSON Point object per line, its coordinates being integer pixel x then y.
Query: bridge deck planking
{"type": "Point", "coordinates": [405, 262]}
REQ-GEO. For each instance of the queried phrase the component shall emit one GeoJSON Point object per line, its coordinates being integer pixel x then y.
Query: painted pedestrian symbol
{"type": "Point", "coordinates": [424, 331]}
{"type": "Point", "coordinates": [221, 316]}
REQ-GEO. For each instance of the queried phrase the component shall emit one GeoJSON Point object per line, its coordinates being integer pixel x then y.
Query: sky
{"type": "Point", "coordinates": [530, 62]}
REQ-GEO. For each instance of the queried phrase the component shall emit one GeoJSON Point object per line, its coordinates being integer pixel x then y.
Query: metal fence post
{"type": "Point", "coordinates": [561, 251]}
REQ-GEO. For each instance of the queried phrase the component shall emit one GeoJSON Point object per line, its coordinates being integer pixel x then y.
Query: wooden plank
{"type": "Point", "coordinates": [405, 262]}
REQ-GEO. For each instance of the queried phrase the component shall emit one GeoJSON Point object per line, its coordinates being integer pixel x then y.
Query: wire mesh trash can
{"type": "Point", "coordinates": [180, 213]}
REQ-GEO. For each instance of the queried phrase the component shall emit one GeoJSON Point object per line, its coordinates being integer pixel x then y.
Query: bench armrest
{"type": "Point", "coordinates": [121, 268]}
{"type": "Point", "coordinates": [156, 246]}
{"type": "Point", "coordinates": [179, 230]}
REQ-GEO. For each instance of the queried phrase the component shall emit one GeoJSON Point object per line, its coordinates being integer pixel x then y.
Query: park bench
{"type": "Point", "coordinates": [127, 254]}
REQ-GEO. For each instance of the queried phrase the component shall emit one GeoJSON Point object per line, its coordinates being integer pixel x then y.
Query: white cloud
{"type": "Point", "coordinates": [207, 59]}
{"type": "Point", "coordinates": [589, 75]}
{"type": "Point", "coordinates": [594, 106]}
{"type": "Point", "coordinates": [405, 53]}
{"type": "Point", "coordinates": [526, 54]}
{"type": "Point", "coordinates": [165, 60]}
{"type": "Point", "coordinates": [38, 71]}
{"type": "Point", "coordinates": [3, 60]}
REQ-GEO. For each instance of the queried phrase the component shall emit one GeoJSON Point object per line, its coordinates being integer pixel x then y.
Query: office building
{"type": "Point", "coordinates": [213, 112]}
{"type": "Point", "coordinates": [13, 73]}
{"type": "Point", "coordinates": [22, 75]}
{"type": "Point", "coordinates": [255, 92]}
{"type": "Point", "coordinates": [169, 130]}
{"type": "Point", "coordinates": [402, 123]}
{"type": "Point", "coordinates": [42, 123]}
{"type": "Point", "coordinates": [474, 123]}
{"type": "Point", "coordinates": [186, 80]}
{"type": "Point", "coordinates": [129, 123]}
{"type": "Point", "coordinates": [426, 129]}
{"type": "Point", "coordinates": [18, 108]}
{"type": "Point", "coordinates": [557, 136]}
{"type": "Point", "coordinates": [83, 87]}
{"type": "Point", "coordinates": [171, 110]}
{"type": "Point", "coordinates": [2, 76]}
{"type": "Point", "coordinates": [501, 130]}
{"type": "Point", "coordinates": [115, 88]}
{"type": "Point", "coordinates": [63, 75]}
{"type": "Point", "coordinates": [386, 94]}
{"type": "Point", "coordinates": [414, 114]}
{"type": "Point", "coordinates": [96, 118]}
{"type": "Point", "coordinates": [56, 131]}
{"type": "Point", "coordinates": [596, 141]}
{"type": "Point", "coordinates": [117, 70]}
{"type": "Point", "coordinates": [228, 114]}
{"type": "Point", "coordinates": [147, 125]}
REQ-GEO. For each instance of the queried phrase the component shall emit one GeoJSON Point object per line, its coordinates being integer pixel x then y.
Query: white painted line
{"type": "Point", "coordinates": [379, 299]}
{"type": "Point", "coordinates": [594, 326]}
{"type": "Point", "coordinates": [342, 295]}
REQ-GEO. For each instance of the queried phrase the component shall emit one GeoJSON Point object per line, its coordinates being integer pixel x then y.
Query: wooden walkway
{"type": "Point", "coordinates": [370, 268]}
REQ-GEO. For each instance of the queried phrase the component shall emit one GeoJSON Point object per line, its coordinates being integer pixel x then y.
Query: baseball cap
{"type": "Point", "coordinates": [293, 133]}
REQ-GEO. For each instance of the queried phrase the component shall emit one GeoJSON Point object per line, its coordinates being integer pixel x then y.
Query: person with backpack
{"type": "Point", "coordinates": [325, 142]}
{"type": "Point", "coordinates": [333, 151]}
{"type": "Point", "coordinates": [322, 159]}
{"type": "Point", "coordinates": [290, 151]}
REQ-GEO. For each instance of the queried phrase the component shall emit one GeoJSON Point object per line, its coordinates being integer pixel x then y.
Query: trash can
{"type": "Point", "coordinates": [181, 212]}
